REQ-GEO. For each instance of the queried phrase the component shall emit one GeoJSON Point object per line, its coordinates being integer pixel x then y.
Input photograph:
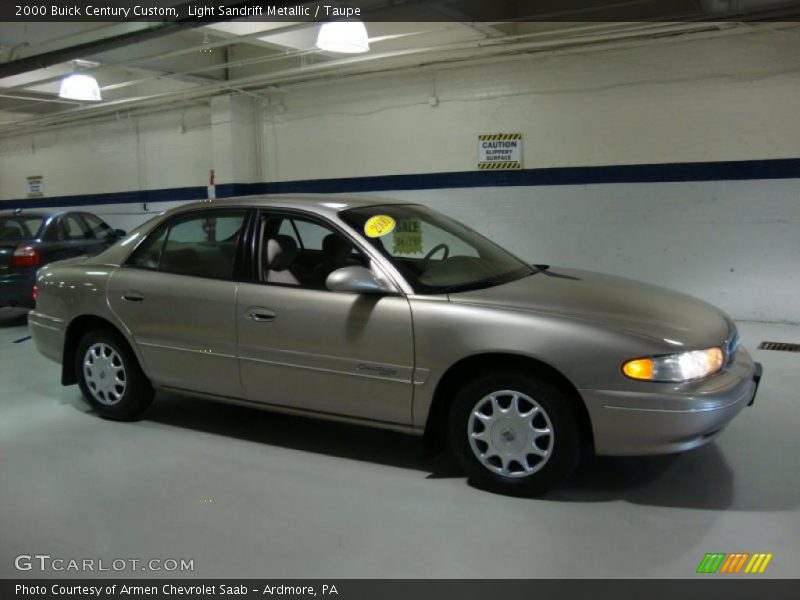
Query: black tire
{"type": "Point", "coordinates": [556, 413]}
{"type": "Point", "coordinates": [132, 397]}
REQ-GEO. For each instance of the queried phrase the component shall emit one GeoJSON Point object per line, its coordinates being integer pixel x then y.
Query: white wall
{"type": "Point", "coordinates": [731, 98]}
{"type": "Point", "coordinates": [734, 243]}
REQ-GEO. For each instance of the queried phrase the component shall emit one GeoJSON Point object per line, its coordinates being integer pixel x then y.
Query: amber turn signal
{"type": "Point", "coordinates": [641, 368]}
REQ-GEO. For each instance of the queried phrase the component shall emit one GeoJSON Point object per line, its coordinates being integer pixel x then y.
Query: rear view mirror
{"type": "Point", "coordinates": [120, 233]}
{"type": "Point", "coordinates": [357, 280]}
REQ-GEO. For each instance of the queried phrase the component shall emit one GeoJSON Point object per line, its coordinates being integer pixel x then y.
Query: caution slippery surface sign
{"type": "Point", "coordinates": [500, 151]}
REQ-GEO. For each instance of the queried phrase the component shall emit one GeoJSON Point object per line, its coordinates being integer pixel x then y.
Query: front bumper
{"type": "Point", "coordinates": [17, 289]}
{"type": "Point", "coordinates": [668, 418]}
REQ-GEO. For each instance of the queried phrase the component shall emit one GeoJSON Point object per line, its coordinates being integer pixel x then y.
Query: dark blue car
{"type": "Point", "coordinates": [30, 239]}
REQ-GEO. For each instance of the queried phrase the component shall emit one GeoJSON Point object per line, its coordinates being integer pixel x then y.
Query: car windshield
{"type": "Point", "coordinates": [434, 253]}
{"type": "Point", "coordinates": [18, 227]}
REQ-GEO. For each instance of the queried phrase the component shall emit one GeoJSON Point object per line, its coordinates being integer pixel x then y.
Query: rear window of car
{"type": "Point", "coordinates": [200, 245]}
{"type": "Point", "coordinates": [20, 227]}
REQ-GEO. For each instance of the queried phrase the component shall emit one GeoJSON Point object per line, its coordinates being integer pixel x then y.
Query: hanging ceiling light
{"type": "Point", "coordinates": [80, 86]}
{"type": "Point", "coordinates": [346, 37]}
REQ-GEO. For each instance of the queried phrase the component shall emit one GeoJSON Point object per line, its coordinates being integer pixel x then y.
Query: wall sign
{"type": "Point", "coordinates": [35, 186]}
{"type": "Point", "coordinates": [500, 151]}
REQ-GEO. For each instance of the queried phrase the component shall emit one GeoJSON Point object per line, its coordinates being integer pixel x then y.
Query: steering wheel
{"type": "Point", "coordinates": [435, 249]}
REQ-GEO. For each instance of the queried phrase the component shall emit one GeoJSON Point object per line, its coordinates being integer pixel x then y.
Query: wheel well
{"type": "Point", "coordinates": [77, 328]}
{"type": "Point", "coordinates": [451, 381]}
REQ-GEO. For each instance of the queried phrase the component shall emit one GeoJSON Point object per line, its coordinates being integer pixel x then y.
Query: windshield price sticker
{"type": "Point", "coordinates": [408, 237]}
{"type": "Point", "coordinates": [379, 225]}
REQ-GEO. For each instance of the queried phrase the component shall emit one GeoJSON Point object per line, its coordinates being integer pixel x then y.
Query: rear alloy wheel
{"type": "Point", "coordinates": [514, 434]}
{"type": "Point", "coordinates": [104, 373]}
{"type": "Point", "coordinates": [110, 377]}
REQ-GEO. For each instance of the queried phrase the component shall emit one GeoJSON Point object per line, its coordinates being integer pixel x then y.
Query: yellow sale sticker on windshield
{"type": "Point", "coordinates": [408, 237]}
{"type": "Point", "coordinates": [379, 225]}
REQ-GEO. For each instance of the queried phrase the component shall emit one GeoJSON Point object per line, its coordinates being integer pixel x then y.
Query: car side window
{"type": "Point", "coordinates": [72, 227]}
{"type": "Point", "coordinates": [287, 228]}
{"type": "Point", "coordinates": [200, 245]}
{"type": "Point", "coordinates": [302, 252]}
{"type": "Point", "coordinates": [98, 228]}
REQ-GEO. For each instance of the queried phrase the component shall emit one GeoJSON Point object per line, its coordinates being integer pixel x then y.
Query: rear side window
{"type": "Point", "coordinates": [19, 227]}
{"type": "Point", "coordinates": [200, 245]}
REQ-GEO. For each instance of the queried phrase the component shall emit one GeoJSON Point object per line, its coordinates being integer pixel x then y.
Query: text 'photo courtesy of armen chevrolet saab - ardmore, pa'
{"type": "Point", "coordinates": [399, 298]}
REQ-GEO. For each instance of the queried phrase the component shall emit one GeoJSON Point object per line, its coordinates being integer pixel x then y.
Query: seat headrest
{"type": "Point", "coordinates": [335, 247]}
{"type": "Point", "coordinates": [280, 252]}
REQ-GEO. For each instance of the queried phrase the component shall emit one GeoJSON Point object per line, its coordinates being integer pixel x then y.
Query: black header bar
{"type": "Point", "coordinates": [484, 11]}
{"type": "Point", "coordinates": [701, 587]}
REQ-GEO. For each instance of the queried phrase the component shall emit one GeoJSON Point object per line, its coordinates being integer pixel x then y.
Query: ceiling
{"type": "Point", "coordinates": [143, 65]}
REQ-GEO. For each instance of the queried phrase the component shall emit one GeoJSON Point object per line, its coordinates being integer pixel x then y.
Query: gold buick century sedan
{"type": "Point", "coordinates": [390, 314]}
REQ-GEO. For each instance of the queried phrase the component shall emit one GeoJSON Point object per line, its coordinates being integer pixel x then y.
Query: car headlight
{"type": "Point", "coordinates": [676, 367]}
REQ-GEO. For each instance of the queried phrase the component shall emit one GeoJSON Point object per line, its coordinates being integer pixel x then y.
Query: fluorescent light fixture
{"type": "Point", "coordinates": [82, 63]}
{"type": "Point", "coordinates": [80, 86]}
{"type": "Point", "coordinates": [344, 37]}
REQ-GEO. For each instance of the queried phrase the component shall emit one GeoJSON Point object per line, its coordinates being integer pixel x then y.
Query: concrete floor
{"type": "Point", "coordinates": [251, 494]}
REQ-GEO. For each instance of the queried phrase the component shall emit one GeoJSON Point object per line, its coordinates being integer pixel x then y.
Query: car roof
{"type": "Point", "coordinates": [43, 214]}
{"type": "Point", "coordinates": [29, 213]}
{"type": "Point", "coordinates": [317, 203]}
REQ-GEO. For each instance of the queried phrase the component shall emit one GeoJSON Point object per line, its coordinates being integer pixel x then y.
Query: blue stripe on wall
{"type": "Point", "coordinates": [788, 168]}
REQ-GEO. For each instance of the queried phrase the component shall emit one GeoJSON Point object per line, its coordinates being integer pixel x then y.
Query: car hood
{"type": "Point", "coordinates": [660, 314]}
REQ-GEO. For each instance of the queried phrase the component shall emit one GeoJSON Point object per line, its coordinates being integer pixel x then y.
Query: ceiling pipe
{"type": "Point", "coordinates": [481, 51]}
{"type": "Point", "coordinates": [333, 68]}
{"type": "Point", "coordinates": [740, 8]}
{"type": "Point", "coordinates": [602, 30]}
{"type": "Point", "coordinates": [118, 35]}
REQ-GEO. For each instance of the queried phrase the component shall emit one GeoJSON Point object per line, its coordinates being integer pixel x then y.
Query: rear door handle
{"type": "Point", "coordinates": [133, 297]}
{"type": "Point", "coordinates": [260, 315]}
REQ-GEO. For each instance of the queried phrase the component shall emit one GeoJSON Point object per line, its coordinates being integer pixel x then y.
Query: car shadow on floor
{"type": "Point", "coordinates": [700, 479]}
{"type": "Point", "coordinates": [13, 317]}
{"type": "Point", "coordinates": [288, 431]}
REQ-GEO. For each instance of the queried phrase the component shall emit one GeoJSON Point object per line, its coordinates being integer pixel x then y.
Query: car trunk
{"type": "Point", "coordinates": [6, 250]}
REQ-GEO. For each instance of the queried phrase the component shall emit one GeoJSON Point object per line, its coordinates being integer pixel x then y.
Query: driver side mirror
{"type": "Point", "coordinates": [120, 233]}
{"type": "Point", "coordinates": [357, 280]}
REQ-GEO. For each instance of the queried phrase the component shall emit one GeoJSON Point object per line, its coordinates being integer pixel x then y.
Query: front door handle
{"type": "Point", "coordinates": [260, 315]}
{"type": "Point", "coordinates": [133, 297]}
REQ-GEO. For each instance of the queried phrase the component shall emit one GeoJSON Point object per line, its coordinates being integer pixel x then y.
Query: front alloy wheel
{"type": "Point", "coordinates": [510, 433]}
{"type": "Point", "coordinates": [514, 434]}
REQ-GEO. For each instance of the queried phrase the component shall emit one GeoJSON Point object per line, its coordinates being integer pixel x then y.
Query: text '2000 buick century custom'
{"type": "Point", "coordinates": [392, 315]}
